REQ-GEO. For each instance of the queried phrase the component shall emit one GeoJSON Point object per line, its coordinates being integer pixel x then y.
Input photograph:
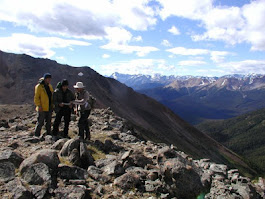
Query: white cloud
{"type": "Point", "coordinates": [191, 63]}
{"type": "Point", "coordinates": [244, 67]}
{"type": "Point", "coordinates": [78, 18]}
{"type": "Point", "coordinates": [235, 25]}
{"type": "Point", "coordinates": [215, 56]}
{"type": "Point", "coordinates": [138, 38]}
{"type": "Point", "coordinates": [186, 51]}
{"type": "Point", "coordinates": [105, 56]}
{"type": "Point", "coordinates": [166, 43]}
{"type": "Point", "coordinates": [192, 9]}
{"type": "Point", "coordinates": [140, 51]}
{"type": "Point", "coordinates": [144, 66]}
{"type": "Point", "coordinates": [174, 30]}
{"type": "Point", "coordinates": [36, 46]}
{"type": "Point", "coordinates": [219, 56]}
{"type": "Point", "coordinates": [119, 39]}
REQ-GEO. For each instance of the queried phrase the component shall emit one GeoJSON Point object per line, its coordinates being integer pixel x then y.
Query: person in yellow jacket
{"type": "Point", "coordinates": [43, 102]}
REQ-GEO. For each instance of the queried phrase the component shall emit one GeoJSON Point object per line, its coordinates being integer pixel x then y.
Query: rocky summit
{"type": "Point", "coordinates": [115, 163]}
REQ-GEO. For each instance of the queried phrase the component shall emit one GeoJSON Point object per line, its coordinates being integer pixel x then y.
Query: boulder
{"type": "Point", "coordinates": [115, 168]}
{"type": "Point", "coordinates": [46, 156]}
{"type": "Point", "coordinates": [72, 192]}
{"type": "Point", "coordinates": [37, 174]}
{"type": "Point", "coordinates": [218, 168]}
{"type": "Point", "coordinates": [11, 156]}
{"type": "Point", "coordinates": [17, 190]}
{"type": "Point", "coordinates": [85, 156]}
{"type": "Point", "coordinates": [154, 186]}
{"type": "Point", "coordinates": [127, 181]}
{"type": "Point", "coordinates": [69, 146]}
{"type": "Point", "coordinates": [7, 171]}
{"type": "Point", "coordinates": [166, 153]}
{"type": "Point", "coordinates": [97, 174]}
{"type": "Point", "coordinates": [71, 172]}
{"type": "Point", "coordinates": [39, 192]}
{"type": "Point", "coordinates": [58, 145]}
{"type": "Point", "coordinates": [182, 179]}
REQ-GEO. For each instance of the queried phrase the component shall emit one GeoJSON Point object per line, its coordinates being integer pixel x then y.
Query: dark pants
{"type": "Point", "coordinates": [83, 124]}
{"type": "Point", "coordinates": [44, 116]}
{"type": "Point", "coordinates": [66, 114]}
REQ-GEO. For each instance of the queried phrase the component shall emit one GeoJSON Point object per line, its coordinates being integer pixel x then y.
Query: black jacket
{"type": "Point", "coordinates": [58, 98]}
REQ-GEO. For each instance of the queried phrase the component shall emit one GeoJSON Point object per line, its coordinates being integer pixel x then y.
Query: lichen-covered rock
{"type": "Point", "coordinates": [11, 156]}
{"type": "Point", "coordinates": [37, 174]}
{"type": "Point", "coordinates": [7, 171]}
{"type": "Point", "coordinates": [71, 172]}
{"type": "Point", "coordinates": [127, 181]}
{"type": "Point", "coordinates": [46, 156]}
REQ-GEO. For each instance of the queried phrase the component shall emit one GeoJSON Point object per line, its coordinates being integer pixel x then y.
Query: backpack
{"type": "Point", "coordinates": [92, 101]}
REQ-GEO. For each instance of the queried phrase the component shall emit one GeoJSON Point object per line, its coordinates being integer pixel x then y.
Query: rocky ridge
{"type": "Point", "coordinates": [115, 163]}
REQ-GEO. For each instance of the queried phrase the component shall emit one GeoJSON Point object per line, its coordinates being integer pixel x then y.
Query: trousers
{"type": "Point", "coordinates": [66, 114]}
{"type": "Point", "coordinates": [83, 124]}
{"type": "Point", "coordinates": [43, 116]}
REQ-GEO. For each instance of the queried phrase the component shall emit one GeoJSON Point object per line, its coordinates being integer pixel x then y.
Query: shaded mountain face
{"type": "Point", "coordinates": [198, 98]}
{"type": "Point", "coordinates": [20, 73]}
{"type": "Point", "coordinates": [243, 134]}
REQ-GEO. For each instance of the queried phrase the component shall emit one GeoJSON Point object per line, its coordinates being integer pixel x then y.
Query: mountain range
{"type": "Point", "coordinates": [20, 73]}
{"type": "Point", "coordinates": [198, 98]}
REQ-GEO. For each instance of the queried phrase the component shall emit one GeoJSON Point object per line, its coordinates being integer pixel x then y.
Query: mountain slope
{"type": "Point", "coordinates": [19, 74]}
{"type": "Point", "coordinates": [243, 134]}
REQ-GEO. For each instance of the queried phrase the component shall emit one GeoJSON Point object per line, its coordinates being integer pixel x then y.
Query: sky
{"type": "Point", "coordinates": [169, 37]}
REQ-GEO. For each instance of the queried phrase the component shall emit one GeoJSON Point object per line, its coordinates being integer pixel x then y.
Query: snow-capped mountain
{"type": "Point", "coordinates": [196, 98]}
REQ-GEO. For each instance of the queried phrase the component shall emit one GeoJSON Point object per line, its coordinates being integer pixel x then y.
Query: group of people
{"type": "Point", "coordinates": [63, 101]}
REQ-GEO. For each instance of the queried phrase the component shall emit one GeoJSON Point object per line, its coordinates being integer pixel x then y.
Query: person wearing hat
{"type": "Point", "coordinates": [43, 102]}
{"type": "Point", "coordinates": [62, 98]}
{"type": "Point", "coordinates": [84, 102]}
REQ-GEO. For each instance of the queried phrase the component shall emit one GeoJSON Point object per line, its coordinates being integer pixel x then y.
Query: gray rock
{"type": "Point", "coordinates": [85, 156]}
{"type": "Point", "coordinates": [4, 123]}
{"type": "Point", "coordinates": [72, 192]}
{"type": "Point", "coordinates": [153, 186]}
{"type": "Point", "coordinates": [181, 177]}
{"type": "Point", "coordinates": [46, 156]}
{"type": "Point", "coordinates": [139, 159]}
{"type": "Point", "coordinates": [109, 146]}
{"type": "Point", "coordinates": [97, 174]}
{"type": "Point", "coordinates": [114, 168]}
{"type": "Point", "coordinates": [17, 190]}
{"type": "Point", "coordinates": [39, 192]}
{"type": "Point", "coordinates": [104, 162]}
{"type": "Point", "coordinates": [127, 181]}
{"type": "Point", "coordinates": [58, 145]}
{"type": "Point", "coordinates": [218, 168]}
{"type": "Point", "coordinates": [74, 158]}
{"type": "Point", "coordinates": [71, 172]}
{"type": "Point", "coordinates": [69, 146]}
{"type": "Point", "coordinates": [166, 153]}
{"type": "Point", "coordinates": [37, 174]}
{"type": "Point", "coordinates": [7, 171]}
{"type": "Point", "coordinates": [12, 157]}
{"type": "Point", "coordinates": [128, 138]}
{"type": "Point", "coordinates": [33, 140]}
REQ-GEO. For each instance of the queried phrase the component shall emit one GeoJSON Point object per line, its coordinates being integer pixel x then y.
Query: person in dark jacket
{"type": "Point", "coordinates": [62, 98]}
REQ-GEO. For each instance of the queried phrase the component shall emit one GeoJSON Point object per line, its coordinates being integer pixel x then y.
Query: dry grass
{"type": "Point", "coordinates": [64, 160]}
{"type": "Point", "coordinates": [96, 153]}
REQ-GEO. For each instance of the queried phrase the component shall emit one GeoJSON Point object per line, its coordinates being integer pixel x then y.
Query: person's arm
{"type": "Point", "coordinates": [82, 101]}
{"type": "Point", "coordinates": [37, 97]}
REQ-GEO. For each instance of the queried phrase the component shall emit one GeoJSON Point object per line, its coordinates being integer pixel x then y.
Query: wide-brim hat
{"type": "Point", "coordinates": [79, 85]}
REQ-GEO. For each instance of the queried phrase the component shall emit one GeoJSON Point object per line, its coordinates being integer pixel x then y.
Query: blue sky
{"type": "Point", "coordinates": [170, 37]}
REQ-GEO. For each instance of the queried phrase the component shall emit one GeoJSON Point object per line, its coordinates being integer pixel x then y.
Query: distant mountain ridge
{"type": "Point", "coordinates": [198, 98]}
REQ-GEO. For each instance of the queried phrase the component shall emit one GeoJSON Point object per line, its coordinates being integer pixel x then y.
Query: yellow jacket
{"type": "Point", "coordinates": [41, 97]}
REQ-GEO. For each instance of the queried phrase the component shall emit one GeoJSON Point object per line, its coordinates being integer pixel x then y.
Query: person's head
{"type": "Point", "coordinates": [47, 78]}
{"type": "Point", "coordinates": [64, 84]}
{"type": "Point", "coordinates": [79, 86]}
